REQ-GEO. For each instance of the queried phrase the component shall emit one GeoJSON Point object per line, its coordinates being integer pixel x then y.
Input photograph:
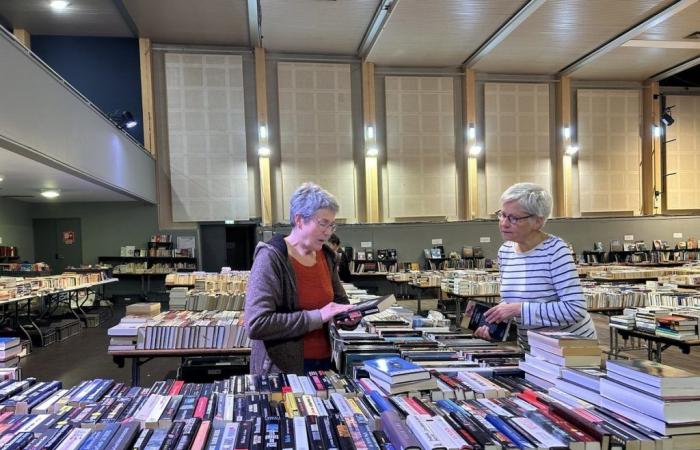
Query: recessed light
{"type": "Point", "coordinates": [2, 178]}
{"type": "Point", "coordinates": [50, 193]}
{"type": "Point", "coordinates": [59, 5]}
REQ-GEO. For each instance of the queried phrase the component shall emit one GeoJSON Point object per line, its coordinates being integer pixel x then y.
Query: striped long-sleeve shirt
{"type": "Point", "coordinates": [544, 280]}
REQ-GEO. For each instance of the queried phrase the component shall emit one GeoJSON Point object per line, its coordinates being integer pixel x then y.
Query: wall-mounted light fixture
{"type": "Point", "coordinates": [475, 150]}
{"type": "Point", "coordinates": [571, 150]}
{"type": "Point", "coordinates": [566, 132]}
{"type": "Point", "coordinates": [471, 132]}
{"type": "Point", "coordinates": [370, 132]}
{"type": "Point", "coordinates": [372, 151]}
{"type": "Point", "coordinates": [264, 150]}
{"type": "Point", "coordinates": [262, 133]}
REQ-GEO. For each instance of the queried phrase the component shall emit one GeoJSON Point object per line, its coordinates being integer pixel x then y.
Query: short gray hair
{"type": "Point", "coordinates": [309, 198]}
{"type": "Point", "coordinates": [531, 197]}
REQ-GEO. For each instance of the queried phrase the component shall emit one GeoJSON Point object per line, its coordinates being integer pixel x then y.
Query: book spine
{"type": "Point", "coordinates": [123, 437]}
{"type": "Point", "coordinates": [272, 433]}
{"type": "Point", "coordinates": [300, 435]}
{"type": "Point", "coordinates": [243, 439]}
{"type": "Point", "coordinates": [200, 439]}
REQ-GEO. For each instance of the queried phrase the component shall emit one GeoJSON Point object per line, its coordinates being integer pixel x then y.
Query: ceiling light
{"type": "Point", "coordinates": [372, 151]}
{"type": "Point", "coordinates": [474, 150]}
{"type": "Point", "coordinates": [264, 150]}
{"type": "Point", "coordinates": [50, 193]}
{"type": "Point", "coordinates": [262, 132]}
{"type": "Point", "coordinates": [59, 5]}
{"type": "Point", "coordinates": [471, 132]}
{"type": "Point", "coordinates": [2, 178]}
{"type": "Point", "coordinates": [567, 132]}
{"type": "Point", "coordinates": [657, 131]}
{"type": "Point", "coordinates": [370, 132]}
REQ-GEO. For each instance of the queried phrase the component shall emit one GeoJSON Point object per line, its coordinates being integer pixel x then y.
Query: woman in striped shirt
{"type": "Point", "coordinates": [540, 287]}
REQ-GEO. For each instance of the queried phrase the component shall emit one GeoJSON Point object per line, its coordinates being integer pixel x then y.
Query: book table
{"type": "Point", "coordinates": [141, 357]}
{"type": "Point", "coordinates": [655, 344]}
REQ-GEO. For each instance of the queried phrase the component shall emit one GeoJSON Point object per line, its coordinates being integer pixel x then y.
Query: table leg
{"type": "Point", "coordinates": [658, 351]}
{"type": "Point", "coordinates": [135, 371]}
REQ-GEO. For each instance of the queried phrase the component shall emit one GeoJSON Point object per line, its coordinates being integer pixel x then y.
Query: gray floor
{"type": "Point", "coordinates": [85, 356]}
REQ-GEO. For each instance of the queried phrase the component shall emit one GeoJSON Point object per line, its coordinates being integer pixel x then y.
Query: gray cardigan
{"type": "Point", "coordinates": [273, 320]}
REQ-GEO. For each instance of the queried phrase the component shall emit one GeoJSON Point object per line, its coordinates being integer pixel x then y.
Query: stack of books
{"type": "Point", "coordinates": [645, 318]}
{"type": "Point", "coordinates": [679, 327]}
{"type": "Point", "coordinates": [396, 375]}
{"type": "Point", "coordinates": [623, 322]}
{"type": "Point", "coordinates": [660, 397]}
{"type": "Point", "coordinates": [550, 351]}
{"type": "Point", "coordinates": [143, 309]}
{"type": "Point", "coordinates": [10, 348]}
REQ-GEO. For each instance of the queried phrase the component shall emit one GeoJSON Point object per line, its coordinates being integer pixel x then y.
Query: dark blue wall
{"type": "Point", "coordinates": [105, 70]}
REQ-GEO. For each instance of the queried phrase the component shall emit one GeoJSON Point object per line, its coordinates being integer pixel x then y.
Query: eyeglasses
{"type": "Point", "coordinates": [512, 219]}
{"type": "Point", "coordinates": [326, 226]}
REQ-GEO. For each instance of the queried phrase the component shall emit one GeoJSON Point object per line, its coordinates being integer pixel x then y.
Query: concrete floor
{"type": "Point", "coordinates": [85, 356]}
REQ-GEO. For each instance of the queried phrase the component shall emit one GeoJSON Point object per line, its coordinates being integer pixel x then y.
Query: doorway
{"type": "Point", "coordinates": [58, 242]}
{"type": "Point", "coordinates": [227, 245]}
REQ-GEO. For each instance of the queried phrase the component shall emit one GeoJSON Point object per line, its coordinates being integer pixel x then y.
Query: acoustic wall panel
{"type": "Point", "coordinates": [316, 131]}
{"type": "Point", "coordinates": [516, 147]}
{"type": "Point", "coordinates": [609, 150]}
{"type": "Point", "coordinates": [421, 166]}
{"type": "Point", "coordinates": [683, 153]}
{"type": "Point", "coordinates": [206, 131]}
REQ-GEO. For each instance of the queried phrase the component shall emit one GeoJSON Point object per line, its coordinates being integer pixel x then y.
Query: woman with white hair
{"type": "Point", "coordinates": [540, 287]}
{"type": "Point", "coordinates": [294, 290]}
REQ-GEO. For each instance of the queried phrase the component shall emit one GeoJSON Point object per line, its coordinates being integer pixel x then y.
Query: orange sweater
{"type": "Point", "coordinates": [315, 291]}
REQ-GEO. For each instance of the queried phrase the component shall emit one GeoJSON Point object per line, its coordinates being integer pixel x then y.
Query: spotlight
{"type": "Point", "coordinates": [262, 133]}
{"type": "Point", "coordinates": [122, 119]}
{"type": "Point", "coordinates": [264, 150]}
{"type": "Point", "coordinates": [657, 131]}
{"type": "Point", "coordinates": [2, 178]}
{"type": "Point", "coordinates": [475, 150]}
{"type": "Point", "coordinates": [50, 193]}
{"type": "Point", "coordinates": [566, 132]}
{"type": "Point", "coordinates": [471, 132]}
{"type": "Point", "coordinates": [666, 118]}
{"type": "Point", "coordinates": [372, 151]}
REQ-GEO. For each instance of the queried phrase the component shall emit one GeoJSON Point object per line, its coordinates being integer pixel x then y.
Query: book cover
{"type": "Point", "coordinates": [367, 307]}
{"type": "Point", "coordinates": [474, 318]}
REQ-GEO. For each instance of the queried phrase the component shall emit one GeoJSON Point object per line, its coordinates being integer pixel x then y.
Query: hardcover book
{"type": "Point", "coordinates": [474, 318]}
{"type": "Point", "coordinates": [367, 307]}
{"type": "Point", "coordinates": [395, 370]}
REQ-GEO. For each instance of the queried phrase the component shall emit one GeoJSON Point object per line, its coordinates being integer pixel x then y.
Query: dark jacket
{"type": "Point", "coordinates": [273, 320]}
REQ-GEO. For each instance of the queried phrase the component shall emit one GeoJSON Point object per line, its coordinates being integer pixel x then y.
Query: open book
{"type": "Point", "coordinates": [367, 307]}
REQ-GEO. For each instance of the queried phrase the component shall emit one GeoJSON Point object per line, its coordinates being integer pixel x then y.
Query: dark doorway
{"type": "Point", "coordinates": [58, 242]}
{"type": "Point", "coordinates": [227, 246]}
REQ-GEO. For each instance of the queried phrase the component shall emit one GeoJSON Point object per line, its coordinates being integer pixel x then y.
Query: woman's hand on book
{"type": "Point", "coordinates": [333, 309]}
{"type": "Point", "coordinates": [483, 332]}
{"type": "Point", "coordinates": [502, 312]}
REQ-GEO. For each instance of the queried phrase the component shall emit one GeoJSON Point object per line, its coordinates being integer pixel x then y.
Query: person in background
{"type": "Point", "coordinates": [294, 290]}
{"type": "Point", "coordinates": [343, 263]}
{"type": "Point", "coordinates": [540, 287]}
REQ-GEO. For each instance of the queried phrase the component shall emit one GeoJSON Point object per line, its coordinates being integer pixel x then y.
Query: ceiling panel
{"type": "Point", "coordinates": [561, 31]}
{"type": "Point", "coordinates": [633, 63]}
{"type": "Point", "coordinates": [80, 18]}
{"type": "Point", "coordinates": [676, 27]}
{"type": "Point", "coordinates": [25, 178]}
{"type": "Point", "coordinates": [200, 22]}
{"type": "Point", "coordinates": [439, 33]}
{"type": "Point", "coordinates": [315, 26]}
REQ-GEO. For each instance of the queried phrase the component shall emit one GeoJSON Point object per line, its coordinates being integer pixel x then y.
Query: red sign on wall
{"type": "Point", "coordinates": [68, 237]}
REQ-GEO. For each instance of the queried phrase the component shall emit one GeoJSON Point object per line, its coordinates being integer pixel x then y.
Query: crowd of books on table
{"type": "Point", "coordinates": [679, 323]}
{"type": "Point", "coordinates": [145, 327]}
{"type": "Point", "coordinates": [14, 287]}
{"type": "Point", "coordinates": [207, 291]}
{"type": "Point", "coordinates": [634, 404]}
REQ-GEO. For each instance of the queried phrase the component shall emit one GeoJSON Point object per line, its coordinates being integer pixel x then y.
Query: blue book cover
{"type": "Point", "coordinates": [475, 312]}
{"type": "Point", "coordinates": [8, 342]}
{"type": "Point", "coordinates": [392, 366]}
